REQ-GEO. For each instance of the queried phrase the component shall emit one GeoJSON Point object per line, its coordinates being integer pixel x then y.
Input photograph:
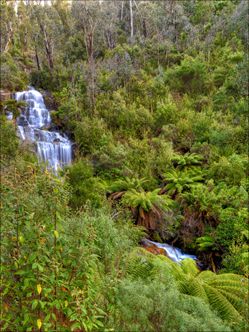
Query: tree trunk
{"type": "Point", "coordinates": [91, 62]}
{"type": "Point", "coordinates": [131, 19]}
{"type": "Point", "coordinates": [122, 11]}
{"type": "Point", "coordinates": [92, 83]}
{"type": "Point", "coordinates": [37, 59]}
{"type": "Point", "coordinates": [9, 37]}
{"type": "Point", "coordinates": [109, 39]}
{"type": "Point", "coordinates": [144, 29]}
{"type": "Point", "coordinates": [48, 47]}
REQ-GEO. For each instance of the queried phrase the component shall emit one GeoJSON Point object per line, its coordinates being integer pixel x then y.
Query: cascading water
{"type": "Point", "coordinates": [172, 252]}
{"type": "Point", "coordinates": [52, 148]}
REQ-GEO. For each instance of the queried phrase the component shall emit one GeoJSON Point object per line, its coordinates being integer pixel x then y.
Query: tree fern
{"type": "Point", "coordinates": [149, 206]}
{"type": "Point", "coordinates": [189, 267]}
{"type": "Point", "coordinates": [179, 181]}
{"type": "Point", "coordinates": [221, 304]}
{"type": "Point", "coordinates": [127, 183]}
{"type": "Point", "coordinates": [119, 187]}
{"type": "Point", "coordinates": [138, 265]}
{"type": "Point", "coordinates": [225, 293]}
{"type": "Point", "coordinates": [186, 160]}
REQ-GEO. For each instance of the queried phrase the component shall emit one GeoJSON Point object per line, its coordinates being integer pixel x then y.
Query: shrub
{"type": "Point", "coordinates": [85, 187]}
{"type": "Point", "coordinates": [191, 76]}
{"type": "Point", "coordinates": [91, 135]}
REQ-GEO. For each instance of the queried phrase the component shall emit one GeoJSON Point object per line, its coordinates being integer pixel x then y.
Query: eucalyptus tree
{"type": "Point", "coordinates": [8, 25]}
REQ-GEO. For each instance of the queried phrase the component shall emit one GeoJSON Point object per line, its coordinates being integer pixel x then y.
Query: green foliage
{"type": "Point", "coordinates": [85, 187]}
{"type": "Point", "coordinates": [57, 268]}
{"type": "Point", "coordinates": [9, 141]}
{"type": "Point", "coordinates": [205, 243]}
{"type": "Point", "coordinates": [165, 113]}
{"type": "Point", "coordinates": [179, 181]}
{"type": "Point", "coordinates": [165, 108]}
{"type": "Point", "coordinates": [231, 170]}
{"type": "Point", "coordinates": [225, 293]}
{"type": "Point", "coordinates": [237, 259]}
{"type": "Point", "coordinates": [190, 76]}
{"type": "Point", "coordinates": [13, 77]}
{"type": "Point", "coordinates": [91, 135]}
{"type": "Point", "coordinates": [128, 118]}
{"type": "Point", "coordinates": [148, 207]}
{"type": "Point", "coordinates": [233, 224]}
{"type": "Point", "coordinates": [187, 160]}
{"type": "Point", "coordinates": [154, 306]}
{"type": "Point", "coordinates": [13, 106]}
{"type": "Point", "coordinates": [120, 187]}
{"type": "Point", "coordinates": [146, 200]}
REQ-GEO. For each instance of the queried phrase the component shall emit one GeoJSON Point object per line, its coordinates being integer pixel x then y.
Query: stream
{"type": "Point", "coordinates": [175, 254]}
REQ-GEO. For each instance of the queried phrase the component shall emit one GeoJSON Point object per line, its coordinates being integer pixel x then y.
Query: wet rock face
{"type": "Point", "coordinates": [151, 247]}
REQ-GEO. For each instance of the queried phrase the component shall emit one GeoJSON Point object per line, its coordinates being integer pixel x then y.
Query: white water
{"type": "Point", "coordinates": [52, 148]}
{"type": "Point", "coordinates": [172, 252]}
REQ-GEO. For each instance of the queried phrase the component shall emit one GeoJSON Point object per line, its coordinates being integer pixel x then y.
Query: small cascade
{"type": "Point", "coordinates": [173, 253]}
{"type": "Point", "coordinates": [52, 147]}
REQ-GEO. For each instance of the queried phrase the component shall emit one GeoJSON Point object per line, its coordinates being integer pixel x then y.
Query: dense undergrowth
{"type": "Point", "coordinates": [159, 122]}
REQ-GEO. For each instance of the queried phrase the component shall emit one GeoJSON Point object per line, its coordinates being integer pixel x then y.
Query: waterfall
{"type": "Point", "coordinates": [173, 253]}
{"type": "Point", "coordinates": [52, 147]}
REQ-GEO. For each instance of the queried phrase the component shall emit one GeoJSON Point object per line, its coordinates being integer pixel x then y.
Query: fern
{"type": "Point", "coordinates": [225, 293]}
{"type": "Point", "coordinates": [148, 207]}
{"type": "Point", "coordinates": [179, 181]}
{"type": "Point", "coordinates": [188, 159]}
{"type": "Point", "coordinates": [221, 304]}
{"type": "Point", "coordinates": [139, 264]}
{"type": "Point", "coordinates": [126, 184]}
{"type": "Point", "coordinates": [189, 267]}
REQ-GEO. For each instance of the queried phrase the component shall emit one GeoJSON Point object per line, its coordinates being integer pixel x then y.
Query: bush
{"type": "Point", "coordinates": [230, 169]}
{"type": "Point", "coordinates": [91, 135]}
{"type": "Point", "coordinates": [85, 187]}
{"type": "Point", "coordinates": [191, 76]}
{"type": "Point", "coordinates": [9, 141]}
{"type": "Point", "coordinates": [157, 306]}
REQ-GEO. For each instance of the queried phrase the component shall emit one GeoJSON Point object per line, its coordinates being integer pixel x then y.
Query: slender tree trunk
{"type": "Point", "coordinates": [37, 59]}
{"type": "Point", "coordinates": [48, 47]}
{"type": "Point", "coordinates": [91, 62]}
{"type": "Point", "coordinates": [109, 39]}
{"type": "Point", "coordinates": [131, 19]}
{"type": "Point", "coordinates": [9, 37]}
{"type": "Point", "coordinates": [144, 29]}
{"type": "Point", "coordinates": [122, 11]}
{"type": "Point", "coordinates": [92, 84]}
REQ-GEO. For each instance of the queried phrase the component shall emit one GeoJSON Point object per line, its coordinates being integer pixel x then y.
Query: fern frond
{"type": "Point", "coordinates": [194, 287]}
{"type": "Point", "coordinates": [206, 275]}
{"type": "Point", "coordinates": [139, 264]}
{"type": "Point", "coordinates": [235, 300]}
{"type": "Point", "coordinates": [189, 267]}
{"type": "Point", "coordinates": [221, 304]}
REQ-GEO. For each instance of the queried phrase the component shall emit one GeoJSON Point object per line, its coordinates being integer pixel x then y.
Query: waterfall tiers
{"type": "Point", "coordinates": [52, 148]}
